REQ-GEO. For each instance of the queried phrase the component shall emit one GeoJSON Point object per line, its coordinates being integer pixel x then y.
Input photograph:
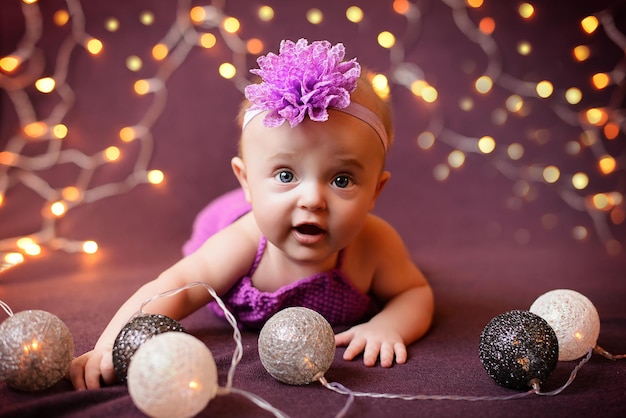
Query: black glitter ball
{"type": "Point", "coordinates": [137, 331]}
{"type": "Point", "coordinates": [518, 347]}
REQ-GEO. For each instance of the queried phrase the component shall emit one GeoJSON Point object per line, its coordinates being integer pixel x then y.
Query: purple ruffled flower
{"type": "Point", "coordinates": [302, 79]}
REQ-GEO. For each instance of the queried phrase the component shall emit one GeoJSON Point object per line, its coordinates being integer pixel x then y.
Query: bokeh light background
{"type": "Point", "coordinates": [512, 110]}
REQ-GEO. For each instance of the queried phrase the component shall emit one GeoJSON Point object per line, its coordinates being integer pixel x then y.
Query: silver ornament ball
{"type": "Point", "coordinates": [172, 375]}
{"type": "Point", "coordinates": [297, 346]}
{"type": "Point", "coordinates": [574, 319]}
{"type": "Point", "coordinates": [36, 349]}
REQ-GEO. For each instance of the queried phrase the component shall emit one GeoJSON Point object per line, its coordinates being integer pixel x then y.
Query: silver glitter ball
{"type": "Point", "coordinates": [518, 348]}
{"type": "Point", "coordinates": [297, 346]}
{"type": "Point", "coordinates": [136, 332]}
{"type": "Point", "coordinates": [36, 349]}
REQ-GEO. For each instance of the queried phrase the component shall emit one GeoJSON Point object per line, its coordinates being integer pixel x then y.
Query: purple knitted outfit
{"type": "Point", "coordinates": [328, 293]}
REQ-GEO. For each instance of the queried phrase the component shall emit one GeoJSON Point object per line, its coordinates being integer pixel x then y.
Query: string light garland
{"type": "Point", "coordinates": [205, 26]}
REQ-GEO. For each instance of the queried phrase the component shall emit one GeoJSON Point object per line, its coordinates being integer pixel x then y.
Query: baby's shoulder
{"type": "Point", "coordinates": [378, 235]}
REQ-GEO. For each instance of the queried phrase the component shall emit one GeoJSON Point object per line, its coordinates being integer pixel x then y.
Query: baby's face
{"type": "Point", "coordinates": [312, 186]}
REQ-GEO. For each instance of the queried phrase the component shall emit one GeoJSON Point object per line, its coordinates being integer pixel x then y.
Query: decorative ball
{"type": "Point", "coordinates": [136, 332]}
{"type": "Point", "coordinates": [518, 348]}
{"type": "Point", "coordinates": [297, 346]}
{"type": "Point", "coordinates": [36, 349]}
{"type": "Point", "coordinates": [573, 318]}
{"type": "Point", "coordinates": [172, 375]}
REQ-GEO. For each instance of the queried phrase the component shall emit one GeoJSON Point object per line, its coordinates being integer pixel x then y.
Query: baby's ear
{"type": "Point", "coordinates": [239, 168]}
{"type": "Point", "coordinates": [382, 181]}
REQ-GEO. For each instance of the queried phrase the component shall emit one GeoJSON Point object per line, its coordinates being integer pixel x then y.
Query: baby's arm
{"type": "Point", "coordinates": [219, 262]}
{"type": "Point", "coordinates": [408, 310]}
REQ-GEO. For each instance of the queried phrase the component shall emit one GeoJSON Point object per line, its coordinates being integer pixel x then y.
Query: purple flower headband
{"type": "Point", "coordinates": [307, 80]}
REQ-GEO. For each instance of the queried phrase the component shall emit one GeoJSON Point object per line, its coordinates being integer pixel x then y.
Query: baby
{"type": "Point", "coordinates": [299, 232]}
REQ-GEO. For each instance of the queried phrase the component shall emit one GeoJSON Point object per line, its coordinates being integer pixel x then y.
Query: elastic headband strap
{"type": "Point", "coordinates": [354, 109]}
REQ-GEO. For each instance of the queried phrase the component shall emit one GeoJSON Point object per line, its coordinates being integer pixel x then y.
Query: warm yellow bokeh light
{"type": "Point", "coordinates": [197, 14]}
{"type": "Point", "coordinates": [25, 242]}
{"type": "Point", "coordinates": [487, 25]}
{"type": "Point", "coordinates": [112, 24]}
{"type": "Point", "coordinates": [401, 6]}
{"type": "Point", "coordinates": [589, 24]}
{"type": "Point", "coordinates": [418, 86]}
{"type": "Point", "coordinates": [486, 144]}
{"type": "Point", "coordinates": [580, 180]}
{"type": "Point", "coordinates": [266, 13]}
{"type": "Point", "coordinates": [111, 153]}
{"type": "Point", "coordinates": [611, 130]}
{"type": "Point", "coordinates": [94, 46]}
{"type": "Point", "coordinates": [71, 193]}
{"type": "Point", "coordinates": [134, 63]}
{"type": "Point", "coordinates": [160, 51]}
{"type": "Point", "coordinates": [231, 25]}
{"type": "Point", "coordinates": [524, 48]}
{"type": "Point", "coordinates": [426, 140]}
{"type": "Point", "coordinates": [573, 95]}
{"type": "Point", "coordinates": [441, 172]}
{"type": "Point", "coordinates": [141, 87]}
{"type": "Point", "coordinates": [58, 208]}
{"type": "Point", "coordinates": [483, 84]}
{"type": "Point", "coordinates": [380, 85]}
{"type": "Point", "coordinates": [456, 158]}
{"type": "Point", "coordinates": [600, 80]}
{"type": "Point", "coordinates": [607, 164]}
{"type": "Point", "coordinates": [127, 134]}
{"type": "Point", "coordinates": [429, 94]}
{"type": "Point", "coordinates": [35, 129]}
{"type": "Point", "coordinates": [207, 40]}
{"type": "Point", "coordinates": [386, 39]}
{"type": "Point", "coordinates": [60, 17]}
{"type": "Point", "coordinates": [45, 84]}
{"type": "Point", "coordinates": [581, 53]}
{"type": "Point", "coordinates": [544, 89]}
{"type": "Point", "coordinates": [596, 116]}
{"type": "Point", "coordinates": [9, 63]}
{"type": "Point", "coordinates": [155, 177]}
{"type": "Point", "coordinates": [147, 18]}
{"type": "Point", "coordinates": [526, 10]}
{"type": "Point", "coordinates": [254, 46]}
{"type": "Point", "coordinates": [514, 103]}
{"type": "Point", "coordinates": [601, 201]}
{"type": "Point", "coordinates": [474, 3]}
{"type": "Point", "coordinates": [59, 131]}
{"type": "Point", "coordinates": [227, 70]}
{"type": "Point", "coordinates": [551, 174]}
{"type": "Point", "coordinates": [13, 258]}
{"type": "Point", "coordinates": [354, 14]}
{"type": "Point", "coordinates": [90, 247]}
{"type": "Point", "coordinates": [314, 16]}
{"type": "Point", "coordinates": [515, 151]}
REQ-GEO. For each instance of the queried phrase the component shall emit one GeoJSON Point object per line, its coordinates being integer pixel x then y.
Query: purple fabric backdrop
{"type": "Point", "coordinates": [486, 246]}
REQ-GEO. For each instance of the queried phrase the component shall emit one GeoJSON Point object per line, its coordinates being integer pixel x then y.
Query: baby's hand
{"type": "Point", "coordinates": [373, 341]}
{"type": "Point", "coordinates": [86, 370]}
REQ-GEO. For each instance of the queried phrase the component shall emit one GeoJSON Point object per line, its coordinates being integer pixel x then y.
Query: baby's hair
{"type": "Point", "coordinates": [364, 94]}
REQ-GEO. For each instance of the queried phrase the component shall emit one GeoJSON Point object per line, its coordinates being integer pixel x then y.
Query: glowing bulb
{"type": "Point", "coordinates": [573, 95]}
{"type": "Point", "coordinates": [611, 130]}
{"type": "Point", "coordinates": [487, 25]}
{"type": "Point", "coordinates": [58, 208]}
{"type": "Point", "coordinates": [580, 180]}
{"type": "Point", "coordinates": [208, 40]}
{"type": "Point", "coordinates": [13, 258]}
{"type": "Point", "coordinates": [10, 63]}
{"type": "Point", "coordinates": [600, 80]}
{"type": "Point", "coordinates": [607, 164]}
{"type": "Point", "coordinates": [90, 247]}
{"type": "Point", "coordinates": [266, 13]}
{"type": "Point", "coordinates": [386, 39]}
{"type": "Point", "coordinates": [231, 25]}
{"type": "Point", "coordinates": [61, 17]}
{"type": "Point", "coordinates": [426, 140]}
{"type": "Point", "coordinates": [354, 14]}
{"type": "Point", "coordinates": [589, 24]}
{"type": "Point", "coordinates": [401, 6]}
{"type": "Point", "coordinates": [59, 131]}
{"type": "Point", "coordinates": [483, 84]}
{"type": "Point", "coordinates": [147, 18]}
{"type": "Point", "coordinates": [544, 89]}
{"type": "Point", "coordinates": [596, 116]}
{"type": "Point", "coordinates": [112, 153]}
{"type": "Point", "coordinates": [526, 10]}
{"type": "Point", "coordinates": [35, 129]}
{"type": "Point", "coordinates": [601, 201]}
{"type": "Point", "coordinates": [71, 193]}
{"type": "Point", "coordinates": [127, 134]}
{"type": "Point", "coordinates": [160, 51]}
{"type": "Point", "coordinates": [581, 53]}
{"type": "Point", "coordinates": [254, 46]}
{"type": "Point", "coordinates": [25, 242]}
{"type": "Point", "coordinates": [456, 158]}
{"type": "Point", "coordinates": [380, 84]}
{"type": "Point", "coordinates": [524, 48]}
{"type": "Point", "coordinates": [33, 249]}
{"type": "Point", "coordinates": [94, 46]}
{"type": "Point", "coordinates": [486, 144]}
{"type": "Point", "coordinates": [551, 174]}
{"type": "Point", "coordinates": [227, 70]}
{"type": "Point", "coordinates": [142, 87]}
{"type": "Point", "coordinates": [441, 172]}
{"type": "Point", "coordinates": [514, 103]}
{"type": "Point", "coordinates": [429, 94]}
{"type": "Point", "coordinates": [155, 176]}
{"type": "Point", "coordinates": [112, 24]}
{"type": "Point", "coordinates": [418, 86]}
{"type": "Point", "coordinates": [314, 16]}
{"type": "Point", "coordinates": [134, 63]}
{"type": "Point", "coordinates": [197, 14]}
{"type": "Point", "coordinates": [474, 3]}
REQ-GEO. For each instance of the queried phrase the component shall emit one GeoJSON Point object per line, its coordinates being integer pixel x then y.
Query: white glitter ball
{"type": "Point", "coordinates": [172, 375]}
{"type": "Point", "coordinates": [573, 318]}
{"type": "Point", "coordinates": [36, 349]}
{"type": "Point", "coordinates": [297, 346]}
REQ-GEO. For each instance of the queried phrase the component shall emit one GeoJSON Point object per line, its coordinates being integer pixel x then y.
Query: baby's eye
{"type": "Point", "coordinates": [285, 176]}
{"type": "Point", "coordinates": [342, 181]}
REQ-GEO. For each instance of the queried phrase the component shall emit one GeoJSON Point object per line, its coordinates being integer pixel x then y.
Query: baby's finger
{"type": "Point", "coordinates": [386, 354]}
{"type": "Point", "coordinates": [342, 339]}
{"type": "Point", "coordinates": [370, 355]}
{"type": "Point", "coordinates": [77, 373]}
{"type": "Point", "coordinates": [401, 353]}
{"type": "Point", "coordinates": [355, 347]}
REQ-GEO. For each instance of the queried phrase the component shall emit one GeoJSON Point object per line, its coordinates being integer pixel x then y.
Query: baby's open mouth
{"type": "Point", "coordinates": [309, 229]}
